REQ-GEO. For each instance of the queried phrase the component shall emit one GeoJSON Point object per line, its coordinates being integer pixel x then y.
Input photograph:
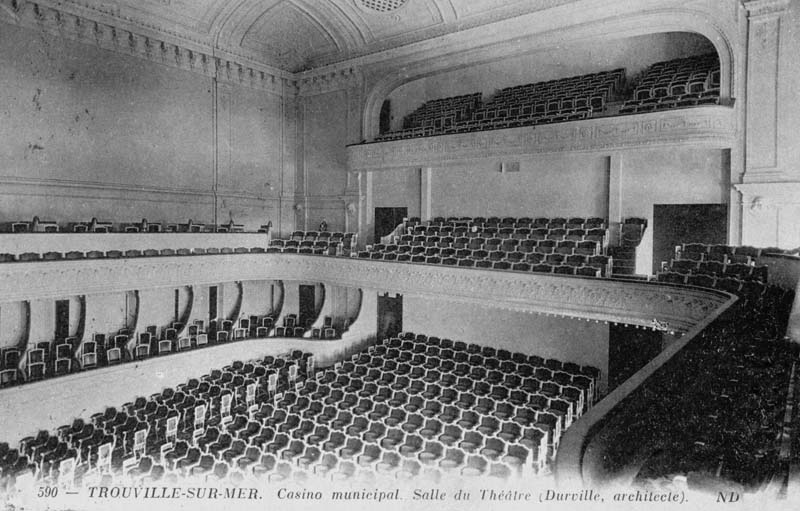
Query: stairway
{"type": "Point", "coordinates": [631, 232]}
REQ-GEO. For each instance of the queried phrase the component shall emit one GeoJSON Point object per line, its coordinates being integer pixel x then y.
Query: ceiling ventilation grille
{"type": "Point", "coordinates": [382, 5]}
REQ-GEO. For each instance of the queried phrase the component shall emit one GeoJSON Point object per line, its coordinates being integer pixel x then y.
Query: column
{"type": "Point", "coordinates": [614, 196]}
{"type": "Point", "coordinates": [425, 204]}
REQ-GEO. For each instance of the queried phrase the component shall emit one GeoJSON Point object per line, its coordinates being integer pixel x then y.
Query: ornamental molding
{"type": "Point", "coordinates": [15, 185]}
{"type": "Point", "coordinates": [759, 8]}
{"type": "Point", "coordinates": [595, 299]}
{"type": "Point", "coordinates": [329, 81]}
{"type": "Point", "coordinates": [713, 126]}
{"type": "Point", "coordinates": [189, 55]}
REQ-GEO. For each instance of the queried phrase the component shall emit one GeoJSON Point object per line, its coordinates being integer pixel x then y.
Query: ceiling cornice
{"type": "Point", "coordinates": [70, 20]}
{"type": "Point", "coordinates": [218, 51]}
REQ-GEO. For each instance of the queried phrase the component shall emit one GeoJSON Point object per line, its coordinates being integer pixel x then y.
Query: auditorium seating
{"type": "Point", "coordinates": [561, 100]}
{"type": "Point", "coordinates": [174, 431]}
{"type": "Point", "coordinates": [65, 356]}
{"type": "Point", "coordinates": [714, 414]}
{"type": "Point", "coordinates": [677, 83]}
{"type": "Point", "coordinates": [409, 406]}
{"type": "Point", "coordinates": [730, 268]}
{"type": "Point", "coordinates": [314, 242]}
{"type": "Point", "coordinates": [116, 254]}
{"type": "Point", "coordinates": [574, 246]}
{"type": "Point", "coordinates": [96, 226]}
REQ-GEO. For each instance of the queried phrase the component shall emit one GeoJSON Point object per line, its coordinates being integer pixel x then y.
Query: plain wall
{"type": "Point", "coordinates": [397, 188]}
{"type": "Point", "coordinates": [546, 185]}
{"type": "Point", "coordinates": [105, 314]}
{"type": "Point", "coordinates": [257, 297]}
{"type": "Point", "coordinates": [324, 158]}
{"type": "Point", "coordinates": [669, 176]}
{"type": "Point", "coordinates": [13, 324]}
{"type": "Point", "coordinates": [120, 138]}
{"type": "Point", "coordinates": [156, 308]}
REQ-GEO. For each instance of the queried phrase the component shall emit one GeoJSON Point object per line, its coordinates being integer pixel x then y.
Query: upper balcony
{"type": "Point", "coordinates": [712, 126]}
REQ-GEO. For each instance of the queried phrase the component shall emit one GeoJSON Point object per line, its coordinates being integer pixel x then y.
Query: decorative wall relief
{"type": "Point", "coordinates": [711, 126]}
{"type": "Point", "coordinates": [587, 298]}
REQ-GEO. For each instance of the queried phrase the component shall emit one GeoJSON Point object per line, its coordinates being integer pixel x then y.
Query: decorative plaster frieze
{"type": "Point", "coordinates": [336, 80]}
{"type": "Point", "coordinates": [197, 57]}
{"type": "Point", "coordinates": [588, 298]}
{"type": "Point", "coordinates": [710, 126]}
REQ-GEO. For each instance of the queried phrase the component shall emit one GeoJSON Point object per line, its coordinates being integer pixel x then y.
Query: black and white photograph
{"type": "Point", "coordinates": [399, 255]}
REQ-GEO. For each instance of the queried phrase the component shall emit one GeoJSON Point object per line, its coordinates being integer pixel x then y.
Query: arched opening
{"type": "Point", "coordinates": [636, 44]}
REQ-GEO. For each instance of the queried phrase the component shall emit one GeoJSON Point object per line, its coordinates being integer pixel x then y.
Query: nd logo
{"type": "Point", "coordinates": [728, 498]}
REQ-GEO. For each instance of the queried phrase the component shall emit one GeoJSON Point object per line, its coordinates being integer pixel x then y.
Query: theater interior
{"type": "Point", "coordinates": [365, 243]}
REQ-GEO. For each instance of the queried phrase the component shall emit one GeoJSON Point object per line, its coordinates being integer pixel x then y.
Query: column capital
{"type": "Point", "coordinates": [759, 8]}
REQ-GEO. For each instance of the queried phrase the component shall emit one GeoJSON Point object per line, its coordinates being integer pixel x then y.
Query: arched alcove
{"type": "Point", "coordinates": [695, 24]}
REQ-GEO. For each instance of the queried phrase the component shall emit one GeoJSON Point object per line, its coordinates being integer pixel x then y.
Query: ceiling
{"type": "Point", "coordinates": [298, 35]}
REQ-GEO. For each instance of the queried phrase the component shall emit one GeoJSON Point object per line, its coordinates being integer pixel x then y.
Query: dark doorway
{"type": "Point", "coordinates": [385, 118]}
{"type": "Point", "coordinates": [629, 349]}
{"type": "Point", "coordinates": [674, 224]}
{"type": "Point", "coordinates": [212, 303]}
{"type": "Point", "coordinates": [390, 316]}
{"type": "Point", "coordinates": [386, 219]}
{"type": "Point", "coordinates": [306, 307]}
{"type": "Point", "coordinates": [62, 319]}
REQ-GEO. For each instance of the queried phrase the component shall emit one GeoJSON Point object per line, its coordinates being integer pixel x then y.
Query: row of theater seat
{"type": "Point", "coordinates": [332, 237]}
{"type": "Point", "coordinates": [720, 253]}
{"type": "Point", "coordinates": [65, 356]}
{"type": "Point", "coordinates": [412, 406]}
{"type": "Point", "coordinates": [119, 441]}
{"type": "Point", "coordinates": [555, 241]}
{"type": "Point", "coordinates": [557, 228]}
{"type": "Point", "coordinates": [569, 246]}
{"type": "Point", "coordinates": [507, 221]}
{"type": "Point", "coordinates": [310, 247]}
{"type": "Point", "coordinates": [678, 83]}
{"type": "Point", "coordinates": [560, 100]}
{"type": "Point", "coordinates": [587, 266]}
{"type": "Point", "coordinates": [315, 242]}
{"type": "Point", "coordinates": [116, 254]}
{"type": "Point", "coordinates": [731, 268]}
{"type": "Point", "coordinates": [95, 226]}
{"type": "Point", "coordinates": [740, 271]}
{"type": "Point", "coordinates": [748, 288]}
{"type": "Point", "coordinates": [714, 414]}
{"type": "Point", "coordinates": [471, 247]}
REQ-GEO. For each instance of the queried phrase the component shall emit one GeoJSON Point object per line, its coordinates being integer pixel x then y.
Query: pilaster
{"type": "Point", "coordinates": [764, 19]}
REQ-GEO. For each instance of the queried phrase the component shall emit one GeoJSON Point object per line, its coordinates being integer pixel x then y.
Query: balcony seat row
{"type": "Point", "coordinates": [678, 83]}
{"type": "Point", "coordinates": [64, 356]}
{"type": "Point", "coordinates": [117, 254]}
{"type": "Point", "coordinates": [566, 99]}
{"type": "Point", "coordinates": [96, 226]}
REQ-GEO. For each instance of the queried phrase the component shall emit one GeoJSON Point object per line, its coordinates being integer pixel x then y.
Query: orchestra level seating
{"type": "Point", "coordinates": [408, 407]}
